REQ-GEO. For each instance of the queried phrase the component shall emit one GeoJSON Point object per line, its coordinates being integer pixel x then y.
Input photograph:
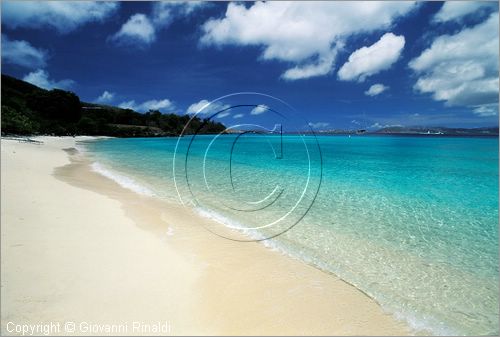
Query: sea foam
{"type": "Point", "coordinates": [122, 180]}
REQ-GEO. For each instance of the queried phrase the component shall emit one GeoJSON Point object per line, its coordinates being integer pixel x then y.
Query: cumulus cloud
{"type": "Point", "coordinates": [238, 116]}
{"type": "Point", "coordinates": [462, 69]}
{"type": "Point", "coordinates": [205, 107]}
{"type": "Point", "coordinates": [198, 107]}
{"type": "Point", "coordinates": [106, 97]}
{"type": "Point", "coordinates": [141, 29]}
{"type": "Point", "coordinates": [259, 109]}
{"type": "Point", "coordinates": [376, 89]}
{"type": "Point", "coordinates": [64, 16]}
{"type": "Point", "coordinates": [307, 35]}
{"type": "Point", "coordinates": [138, 29]}
{"type": "Point", "coordinates": [41, 79]}
{"type": "Point", "coordinates": [164, 12]}
{"type": "Point", "coordinates": [22, 53]}
{"type": "Point", "coordinates": [163, 104]}
{"type": "Point", "coordinates": [319, 125]}
{"type": "Point", "coordinates": [455, 10]}
{"type": "Point", "coordinates": [323, 66]}
{"type": "Point", "coordinates": [368, 61]}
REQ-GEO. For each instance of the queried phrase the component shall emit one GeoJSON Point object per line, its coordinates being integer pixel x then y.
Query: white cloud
{"type": "Point", "coordinates": [319, 125]}
{"type": "Point", "coordinates": [259, 109]}
{"type": "Point", "coordinates": [486, 110]}
{"type": "Point", "coordinates": [141, 29]}
{"type": "Point", "coordinates": [455, 10]}
{"type": "Point", "coordinates": [371, 60]}
{"type": "Point", "coordinates": [41, 79]}
{"type": "Point", "coordinates": [238, 116]}
{"type": "Point", "coordinates": [148, 105]}
{"type": "Point", "coordinates": [22, 53]}
{"type": "Point", "coordinates": [106, 97]}
{"type": "Point", "coordinates": [198, 107]}
{"type": "Point", "coordinates": [137, 30]}
{"type": "Point", "coordinates": [462, 69]}
{"type": "Point", "coordinates": [187, 7]}
{"type": "Point", "coordinates": [223, 114]}
{"type": "Point", "coordinates": [377, 125]}
{"type": "Point", "coordinates": [156, 105]}
{"type": "Point", "coordinates": [303, 33]}
{"type": "Point", "coordinates": [205, 107]}
{"type": "Point", "coordinates": [127, 105]}
{"type": "Point", "coordinates": [63, 16]}
{"type": "Point", "coordinates": [164, 12]}
{"type": "Point", "coordinates": [323, 66]}
{"type": "Point", "coordinates": [376, 89]}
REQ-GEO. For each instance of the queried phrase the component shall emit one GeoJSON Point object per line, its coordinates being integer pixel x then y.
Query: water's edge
{"type": "Point", "coordinates": [417, 325]}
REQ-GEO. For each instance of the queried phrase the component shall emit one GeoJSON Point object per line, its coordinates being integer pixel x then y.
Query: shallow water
{"type": "Point", "coordinates": [412, 221]}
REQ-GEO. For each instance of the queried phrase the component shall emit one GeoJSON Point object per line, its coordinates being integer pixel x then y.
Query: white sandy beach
{"type": "Point", "coordinates": [77, 247]}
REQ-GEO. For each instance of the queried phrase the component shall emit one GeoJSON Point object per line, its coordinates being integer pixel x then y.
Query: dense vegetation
{"type": "Point", "coordinates": [28, 109]}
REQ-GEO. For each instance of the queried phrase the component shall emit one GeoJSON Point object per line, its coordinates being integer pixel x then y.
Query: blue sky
{"type": "Point", "coordinates": [341, 64]}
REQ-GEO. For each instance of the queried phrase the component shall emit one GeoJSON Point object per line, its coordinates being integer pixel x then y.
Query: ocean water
{"type": "Point", "coordinates": [411, 221]}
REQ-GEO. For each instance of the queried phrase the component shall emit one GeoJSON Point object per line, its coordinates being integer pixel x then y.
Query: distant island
{"type": "Point", "coordinates": [418, 130]}
{"type": "Point", "coordinates": [30, 110]}
{"type": "Point", "coordinates": [399, 130]}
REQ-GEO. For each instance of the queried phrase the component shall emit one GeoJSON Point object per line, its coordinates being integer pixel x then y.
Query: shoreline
{"type": "Point", "coordinates": [218, 287]}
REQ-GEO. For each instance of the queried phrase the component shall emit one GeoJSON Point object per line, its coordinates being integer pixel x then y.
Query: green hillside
{"type": "Point", "coordinates": [29, 110]}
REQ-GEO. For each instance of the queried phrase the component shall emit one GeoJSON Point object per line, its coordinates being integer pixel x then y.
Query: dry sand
{"type": "Point", "coordinates": [77, 247]}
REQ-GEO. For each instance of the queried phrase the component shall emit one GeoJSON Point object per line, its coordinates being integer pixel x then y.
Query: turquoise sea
{"type": "Point", "coordinates": [411, 221]}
